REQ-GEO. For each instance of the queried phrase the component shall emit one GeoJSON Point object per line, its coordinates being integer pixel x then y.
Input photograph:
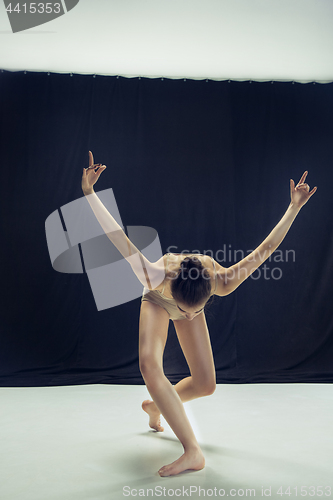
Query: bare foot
{"type": "Point", "coordinates": [154, 415]}
{"type": "Point", "coordinates": [191, 460]}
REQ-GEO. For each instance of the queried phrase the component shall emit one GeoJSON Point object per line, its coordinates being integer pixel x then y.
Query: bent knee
{"type": "Point", "coordinates": [207, 388]}
{"type": "Point", "coordinates": [211, 388]}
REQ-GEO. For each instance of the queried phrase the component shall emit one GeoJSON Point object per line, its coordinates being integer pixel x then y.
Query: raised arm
{"type": "Point", "coordinates": [150, 274]}
{"type": "Point", "coordinates": [230, 278]}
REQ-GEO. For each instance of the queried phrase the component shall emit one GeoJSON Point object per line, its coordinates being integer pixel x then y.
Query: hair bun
{"type": "Point", "coordinates": [190, 263]}
{"type": "Point", "coordinates": [192, 283]}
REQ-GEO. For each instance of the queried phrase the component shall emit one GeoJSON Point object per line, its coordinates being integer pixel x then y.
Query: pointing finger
{"type": "Point", "coordinates": [91, 159]}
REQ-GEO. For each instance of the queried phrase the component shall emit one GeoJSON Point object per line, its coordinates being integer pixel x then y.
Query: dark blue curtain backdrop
{"type": "Point", "coordinates": [205, 163]}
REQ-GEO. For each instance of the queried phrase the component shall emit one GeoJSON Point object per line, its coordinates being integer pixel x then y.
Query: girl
{"type": "Point", "coordinates": [177, 288]}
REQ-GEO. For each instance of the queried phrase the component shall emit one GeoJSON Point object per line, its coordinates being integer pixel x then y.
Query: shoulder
{"type": "Point", "coordinates": [156, 272]}
{"type": "Point", "coordinates": [167, 267]}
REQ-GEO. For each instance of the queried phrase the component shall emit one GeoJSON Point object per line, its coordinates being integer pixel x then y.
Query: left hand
{"type": "Point", "coordinates": [301, 193]}
{"type": "Point", "coordinates": [91, 174]}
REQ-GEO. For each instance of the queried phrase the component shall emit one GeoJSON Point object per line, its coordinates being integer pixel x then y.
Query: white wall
{"type": "Point", "coordinates": [221, 39]}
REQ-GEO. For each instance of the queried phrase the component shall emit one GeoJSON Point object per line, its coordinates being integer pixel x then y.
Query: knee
{"type": "Point", "coordinates": [146, 367]}
{"type": "Point", "coordinates": [210, 389]}
{"type": "Point", "coordinates": [150, 370]}
{"type": "Point", "coordinates": [207, 387]}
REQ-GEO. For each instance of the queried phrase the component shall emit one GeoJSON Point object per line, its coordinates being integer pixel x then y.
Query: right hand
{"type": "Point", "coordinates": [91, 175]}
{"type": "Point", "coordinates": [301, 193]}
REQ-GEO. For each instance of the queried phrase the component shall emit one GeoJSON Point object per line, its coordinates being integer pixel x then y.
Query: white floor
{"type": "Point", "coordinates": [93, 442]}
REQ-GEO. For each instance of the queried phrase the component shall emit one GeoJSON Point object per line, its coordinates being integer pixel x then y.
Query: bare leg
{"type": "Point", "coordinates": [194, 340]}
{"type": "Point", "coordinates": [153, 333]}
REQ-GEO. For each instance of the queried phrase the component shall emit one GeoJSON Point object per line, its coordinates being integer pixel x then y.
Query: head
{"type": "Point", "coordinates": [191, 287]}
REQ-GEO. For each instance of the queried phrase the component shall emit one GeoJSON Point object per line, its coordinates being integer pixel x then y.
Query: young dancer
{"type": "Point", "coordinates": [177, 287]}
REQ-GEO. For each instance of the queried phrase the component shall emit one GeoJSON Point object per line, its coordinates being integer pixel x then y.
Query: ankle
{"type": "Point", "coordinates": [192, 448]}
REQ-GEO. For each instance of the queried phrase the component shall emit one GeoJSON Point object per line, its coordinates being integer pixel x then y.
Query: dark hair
{"type": "Point", "coordinates": [191, 285]}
